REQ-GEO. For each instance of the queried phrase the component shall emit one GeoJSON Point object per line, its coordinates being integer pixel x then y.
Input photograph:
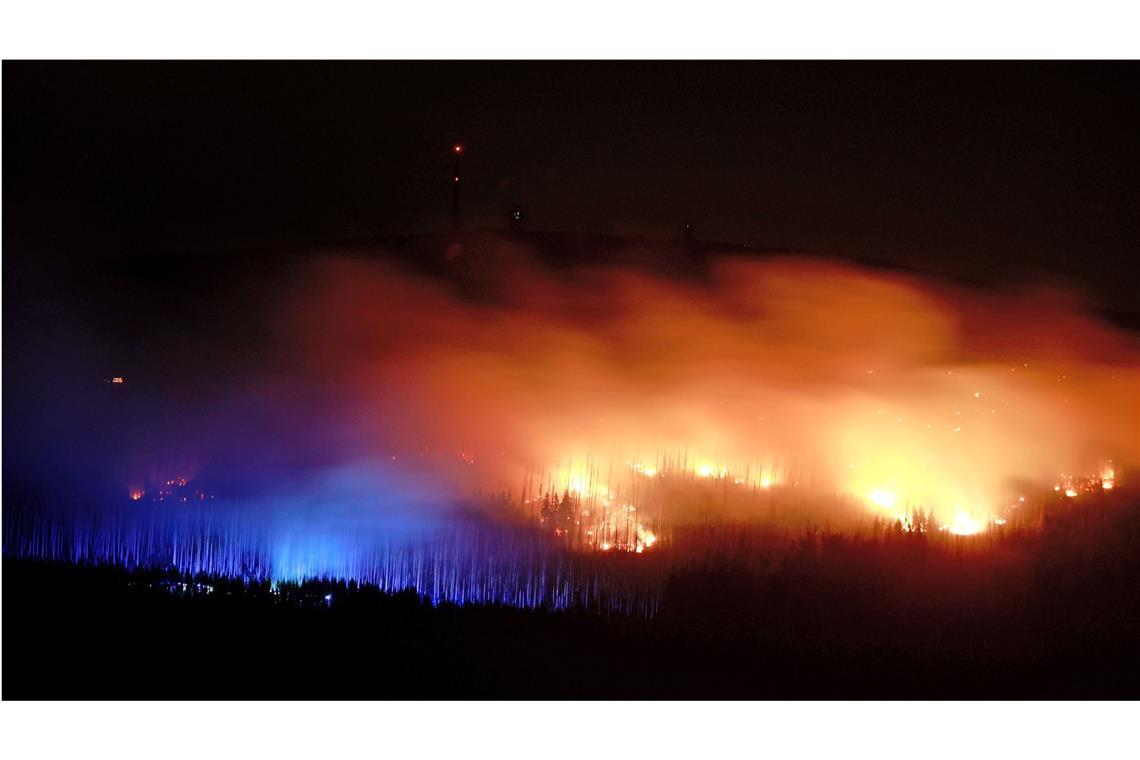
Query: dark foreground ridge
{"type": "Point", "coordinates": [99, 632]}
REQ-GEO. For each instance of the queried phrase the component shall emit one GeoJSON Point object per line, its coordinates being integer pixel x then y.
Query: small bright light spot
{"type": "Point", "coordinates": [458, 148]}
{"type": "Point", "coordinates": [884, 499]}
{"type": "Point", "coordinates": [705, 470]}
{"type": "Point", "coordinates": [1071, 492]}
{"type": "Point", "coordinates": [765, 482]}
{"type": "Point", "coordinates": [577, 484]}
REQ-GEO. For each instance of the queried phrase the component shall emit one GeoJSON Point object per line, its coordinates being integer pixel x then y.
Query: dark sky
{"type": "Point", "coordinates": [986, 170]}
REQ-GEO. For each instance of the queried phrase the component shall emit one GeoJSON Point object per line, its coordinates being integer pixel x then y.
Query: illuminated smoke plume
{"type": "Point", "coordinates": [878, 389]}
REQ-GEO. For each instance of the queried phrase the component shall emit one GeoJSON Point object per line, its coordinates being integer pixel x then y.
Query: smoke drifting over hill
{"type": "Point", "coordinates": [779, 371]}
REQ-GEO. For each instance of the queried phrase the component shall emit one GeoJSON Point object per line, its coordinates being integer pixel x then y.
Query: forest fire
{"type": "Point", "coordinates": [602, 415]}
{"type": "Point", "coordinates": [1074, 486]}
{"type": "Point", "coordinates": [591, 516]}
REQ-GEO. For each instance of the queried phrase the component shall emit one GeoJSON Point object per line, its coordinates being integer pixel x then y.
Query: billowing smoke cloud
{"type": "Point", "coordinates": [769, 372]}
{"type": "Point", "coordinates": [361, 385]}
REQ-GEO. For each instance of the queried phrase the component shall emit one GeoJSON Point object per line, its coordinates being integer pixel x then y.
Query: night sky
{"type": "Point", "coordinates": [987, 171]}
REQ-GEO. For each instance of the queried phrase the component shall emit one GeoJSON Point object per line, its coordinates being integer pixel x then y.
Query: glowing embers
{"type": "Point", "coordinates": [177, 489]}
{"type": "Point", "coordinates": [1108, 476]}
{"type": "Point", "coordinates": [1074, 485]}
{"type": "Point", "coordinates": [918, 520]}
{"type": "Point", "coordinates": [611, 508]}
{"type": "Point", "coordinates": [645, 539]}
{"type": "Point", "coordinates": [964, 524]}
{"type": "Point", "coordinates": [703, 469]}
{"type": "Point", "coordinates": [708, 470]}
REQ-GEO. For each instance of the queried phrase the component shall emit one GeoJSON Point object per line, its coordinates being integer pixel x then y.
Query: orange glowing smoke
{"type": "Point", "coordinates": [771, 374]}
